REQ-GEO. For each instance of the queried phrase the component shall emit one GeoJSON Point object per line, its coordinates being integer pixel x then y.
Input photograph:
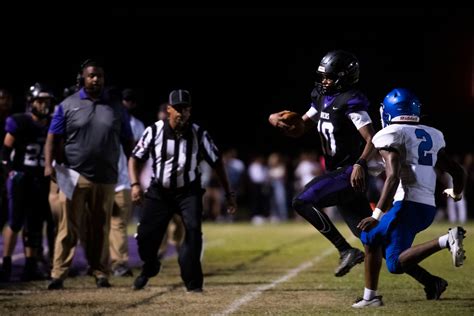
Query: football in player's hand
{"type": "Point", "coordinates": [295, 122]}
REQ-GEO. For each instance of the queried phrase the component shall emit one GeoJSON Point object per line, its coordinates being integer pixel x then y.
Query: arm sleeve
{"type": "Point", "coordinates": [312, 112]}
{"type": "Point", "coordinates": [360, 118]}
{"type": "Point", "coordinates": [11, 126]}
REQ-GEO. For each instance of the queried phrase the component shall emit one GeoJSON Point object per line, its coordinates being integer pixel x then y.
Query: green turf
{"type": "Point", "coordinates": [241, 262]}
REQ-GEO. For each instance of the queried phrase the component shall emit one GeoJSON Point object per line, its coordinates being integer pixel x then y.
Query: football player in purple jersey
{"type": "Point", "coordinates": [27, 187]}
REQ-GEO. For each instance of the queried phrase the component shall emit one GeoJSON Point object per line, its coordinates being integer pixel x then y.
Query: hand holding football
{"type": "Point", "coordinates": [295, 123]}
{"type": "Point", "coordinates": [290, 118]}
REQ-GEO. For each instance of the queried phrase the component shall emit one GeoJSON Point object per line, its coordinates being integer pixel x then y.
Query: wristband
{"type": "Point", "coordinates": [378, 214]}
{"type": "Point", "coordinates": [134, 184]}
{"type": "Point", "coordinates": [361, 162]}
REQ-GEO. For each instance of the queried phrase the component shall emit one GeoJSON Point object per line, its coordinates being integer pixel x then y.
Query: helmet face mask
{"type": "Point", "coordinates": [400, 105]}
{"type": "Point", "coordinates": [342, 68]}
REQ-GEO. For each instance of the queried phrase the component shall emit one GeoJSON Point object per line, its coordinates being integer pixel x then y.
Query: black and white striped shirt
{"type": "Point", "coordinates": [175, 160]}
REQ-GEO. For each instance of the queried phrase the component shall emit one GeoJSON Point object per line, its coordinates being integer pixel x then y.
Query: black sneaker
{"type": "Point", "coordinates": [434, 291]}
{"type": "Point", "coordinates": [140, 282]}
{"type": "Point", "coordinates": [102, 282]}
{"type": "Point", "coordinates": [56, 284]}
{"type": "Point", "coordinates": [348, 259]}
{"type": "Point", "coordinates": [196, 290]}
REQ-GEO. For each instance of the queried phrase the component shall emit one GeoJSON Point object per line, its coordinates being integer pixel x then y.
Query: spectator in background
{"type": "Point", "coordinates": [456, 210]}
{"type": "Point", "coordinates": [122, 209]}
{"type": "Point", "coordinates": [235, 169]}
{"type": "Point", "coordinates": [259, 189]}
{"type": "Point", "coordinates": [308, 167]}
{"type": "Point", "coordinates": [277, 177]}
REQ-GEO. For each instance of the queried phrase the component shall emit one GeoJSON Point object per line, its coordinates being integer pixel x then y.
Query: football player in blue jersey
{"type": "Point", "coordinates": [23, 162]}
{"type": "Point", "coordinates": [339, 112]}
{"type": "Point", "coordinates": [411, 152]}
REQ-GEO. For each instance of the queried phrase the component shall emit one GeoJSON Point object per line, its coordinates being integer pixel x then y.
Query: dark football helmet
{"type": "Point", "coordinates": [340, 66]}
{"type": "Point", "coordinates": [400, 105]}
{"type": "Point", "coordinates": [38, 91]}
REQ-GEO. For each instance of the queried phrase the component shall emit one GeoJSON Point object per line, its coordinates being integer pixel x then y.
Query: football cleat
{"type": "Point", "coordinates": [455, 238]}
{"type": "Point", "coordinates": [55, 284]}
{"type": "Point", "coordinates": [434, 290]}
{"type": "Point", "coordinates": [349, 258]}
{"type": "Point", "coordinates": [376, 301]}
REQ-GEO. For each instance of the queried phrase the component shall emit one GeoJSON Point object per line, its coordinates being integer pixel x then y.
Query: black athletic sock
{"type": "Point", "coordinates": [420, 274]}
{"type": "Point", "coordinates": [322, 223]}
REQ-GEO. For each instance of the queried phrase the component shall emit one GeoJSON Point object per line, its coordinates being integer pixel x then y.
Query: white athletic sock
{"type": "Point", "coordinates": [443, 241]}
{"type": "Point", "coordinates": [369, 294]}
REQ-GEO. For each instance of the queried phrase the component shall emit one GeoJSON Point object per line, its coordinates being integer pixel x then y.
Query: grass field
{"type": "Point", "coordinates": [284, 269]}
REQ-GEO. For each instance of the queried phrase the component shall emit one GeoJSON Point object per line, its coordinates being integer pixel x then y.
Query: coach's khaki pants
{"type": "Point", "coordinates": [118, 237]}
{"type": "Point", "coordinates": [92, 202]}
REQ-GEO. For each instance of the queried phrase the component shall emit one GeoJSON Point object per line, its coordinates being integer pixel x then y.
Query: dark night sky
{"type": "Point", "coordinates": [243, 64]}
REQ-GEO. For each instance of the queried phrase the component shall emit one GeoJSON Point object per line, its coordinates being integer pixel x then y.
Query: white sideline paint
{"type": "Point", "coordinates": [235, 306]}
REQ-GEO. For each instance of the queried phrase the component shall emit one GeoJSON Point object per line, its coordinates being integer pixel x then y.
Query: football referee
{"type": "Point", "coordinates": [175, 146]}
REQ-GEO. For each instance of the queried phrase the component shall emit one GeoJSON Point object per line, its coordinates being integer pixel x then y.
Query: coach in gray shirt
{"type": "Point", "coordinates": [92, 124]}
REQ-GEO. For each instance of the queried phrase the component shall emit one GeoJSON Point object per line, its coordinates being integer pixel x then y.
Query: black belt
{"type": "Point", "coordinates": [186, 188]}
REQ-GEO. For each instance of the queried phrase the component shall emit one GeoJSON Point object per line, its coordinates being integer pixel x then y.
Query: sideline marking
{"type": "Point", "coordinates": [235, 305]}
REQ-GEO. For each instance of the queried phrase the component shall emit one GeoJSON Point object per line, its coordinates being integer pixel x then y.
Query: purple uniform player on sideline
{"type": "Point", "coordinates": [27, 187]}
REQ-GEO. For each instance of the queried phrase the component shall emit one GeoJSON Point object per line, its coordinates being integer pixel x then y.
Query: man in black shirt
{"type": "Point", "coordinates": [176, 146]}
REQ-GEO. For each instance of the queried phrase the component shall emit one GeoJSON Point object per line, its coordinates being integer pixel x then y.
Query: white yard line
{"type": "Point", "coordinates": [238, 303]}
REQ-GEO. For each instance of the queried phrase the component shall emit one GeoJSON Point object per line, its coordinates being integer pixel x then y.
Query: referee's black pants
{"type": "Point", "coordinates": [159, 206]}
